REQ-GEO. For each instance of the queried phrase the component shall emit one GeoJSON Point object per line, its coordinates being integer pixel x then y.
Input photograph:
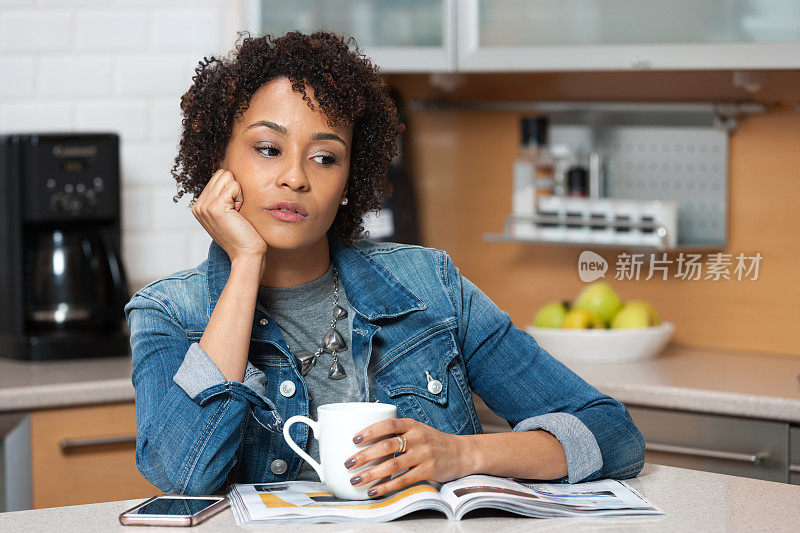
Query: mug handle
{"type": "Point", "coordinates": [293, 445]}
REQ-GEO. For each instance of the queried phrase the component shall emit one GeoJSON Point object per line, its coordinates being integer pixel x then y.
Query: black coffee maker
{"type": "Point", "coordinates": [62, 283]}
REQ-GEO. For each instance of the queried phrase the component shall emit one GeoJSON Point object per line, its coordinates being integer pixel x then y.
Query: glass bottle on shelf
{"type": "Point", "coordinates": [533, 174]}
{"type": "Point", "coordinates": [523, 197]}
{"type": "Point", "coordinates": [535, 137]}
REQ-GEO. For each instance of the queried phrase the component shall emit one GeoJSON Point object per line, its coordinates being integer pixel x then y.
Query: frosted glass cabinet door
{"type": "Point", "coordinates": [627, 34]}
{"type": "Point", "coordinates": [398, 35]}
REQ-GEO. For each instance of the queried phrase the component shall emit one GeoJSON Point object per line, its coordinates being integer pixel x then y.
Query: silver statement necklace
{"type": "Point", "coordinates": [332, 342]}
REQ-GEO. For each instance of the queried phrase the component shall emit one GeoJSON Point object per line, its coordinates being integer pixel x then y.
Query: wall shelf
{"type": "Point", "coordinates": [650, 151]}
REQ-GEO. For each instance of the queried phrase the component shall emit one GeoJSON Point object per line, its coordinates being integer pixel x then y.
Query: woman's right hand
{"type": "Point", "coordinates": [217, 210]}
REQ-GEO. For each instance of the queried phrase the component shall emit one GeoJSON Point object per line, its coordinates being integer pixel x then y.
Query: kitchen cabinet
{"type": "Point", "coordinates": [397, 35]}
{"type": "Point", "coordinates": [550, 35]}
{"type": "Point", "coordinates": [715, 443]}
{"type": "Point", "coordinates": [556, 35]}
{"type": "Point", "coordinates": [794, 455]}
{"type": "Point", "coordinates": [85, 455]}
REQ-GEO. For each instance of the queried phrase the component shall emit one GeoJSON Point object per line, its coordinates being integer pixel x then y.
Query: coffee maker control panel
{"type": "Point", "coordinates": [74, 197]}
{"type": "Point", "coordinates": [70, 178]}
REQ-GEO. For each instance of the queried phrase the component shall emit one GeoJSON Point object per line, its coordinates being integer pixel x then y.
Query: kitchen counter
{"type": "Point", "coordinates": [689, 378]}
{"type": "Point", "coordinates": [704, 380]}
{"type": "Point", "coordinates": [693, 501]}
{"type": "Point", "coordinates": [25, 386]}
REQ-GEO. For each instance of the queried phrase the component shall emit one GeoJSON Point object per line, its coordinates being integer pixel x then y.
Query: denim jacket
{"type": "Point", "coordinates": [414, 313]}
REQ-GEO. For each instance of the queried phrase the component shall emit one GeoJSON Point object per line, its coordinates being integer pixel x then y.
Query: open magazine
{"type": "Point", "coordinates": [308, 501]}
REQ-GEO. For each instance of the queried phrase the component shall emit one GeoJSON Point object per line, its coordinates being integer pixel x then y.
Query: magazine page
{"type": "Point", "coordinates": [545, 500]}
{"type": "Point", "coordinates": [312, 502]}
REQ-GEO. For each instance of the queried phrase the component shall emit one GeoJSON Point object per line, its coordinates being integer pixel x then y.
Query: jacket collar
{"type": "Point", "coordinates": [372, 290]}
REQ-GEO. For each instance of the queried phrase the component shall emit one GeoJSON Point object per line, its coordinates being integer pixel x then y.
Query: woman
{"type": "Point", "coordinates": [285, 147]}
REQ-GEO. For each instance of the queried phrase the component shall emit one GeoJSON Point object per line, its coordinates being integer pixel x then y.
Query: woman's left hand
{"type": "Point", "coordinates": [429, 454]}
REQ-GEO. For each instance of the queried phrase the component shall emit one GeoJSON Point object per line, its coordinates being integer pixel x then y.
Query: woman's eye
{"type": "Point", "coordinates": [327, 160]}
{"type": "Point", "coordinates": [264, 150]}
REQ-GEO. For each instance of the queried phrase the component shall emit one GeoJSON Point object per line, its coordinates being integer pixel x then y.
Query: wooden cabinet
{"type": "Point", "coordinates": [85, 455]}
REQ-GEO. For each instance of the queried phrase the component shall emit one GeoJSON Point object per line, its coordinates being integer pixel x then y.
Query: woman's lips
{"type": "Point", "coordinates": [285, 216]}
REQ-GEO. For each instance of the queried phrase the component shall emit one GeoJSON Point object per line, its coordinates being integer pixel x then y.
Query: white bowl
{"type": "Point", "coordinates": [603, 345]}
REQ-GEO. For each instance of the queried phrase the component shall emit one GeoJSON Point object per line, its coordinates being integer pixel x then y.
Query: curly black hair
{"type": "Point", "coordinates": [346, 85]}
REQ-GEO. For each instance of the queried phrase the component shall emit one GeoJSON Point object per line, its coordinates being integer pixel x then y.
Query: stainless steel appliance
{"type": "Point", "coordinates": [62, 282]}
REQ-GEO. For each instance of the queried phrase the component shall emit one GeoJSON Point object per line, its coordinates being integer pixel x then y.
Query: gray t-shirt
{"type": "Point", "coordinates": [303, 314]}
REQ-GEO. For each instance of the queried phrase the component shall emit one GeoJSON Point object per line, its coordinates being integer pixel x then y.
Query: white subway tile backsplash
{"type": "Point", "coordinates": [167, 119]}
{"type": "Point", "coordinates": [153, 75]}
{"type": "Point", "coordinates": [19, 77]}
{"type": "Point", "coordinates": [121, 66]}
{"type": "Point", "coordinates": [71, 3]}
{"type": "Point", "coordinates": [119, 30]}
{"type": "Point", "coordinates": [147, 163]}
{"type": "Point", "coordinates": [199, 241]}
{"type": "Point", "coordinates": [151, 255]}
{"type": "Point", "coordinates": [65, 76]}
{"type": "Point", "coordinates": [128, 119]}
{"type": "Point", "coordinates": [168, 214]}
{"type": "Point", "coordinates": [35, 30]}
{"type": "Point", "coordinates": [35, 116]}
{"type": "Point", "coordinates": [136, 206]}
{"type": "Point", "coordinates": [190, 29]}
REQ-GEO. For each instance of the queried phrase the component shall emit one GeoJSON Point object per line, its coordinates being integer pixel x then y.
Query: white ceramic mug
{"type": "Point", "coordinates": [336, 425]}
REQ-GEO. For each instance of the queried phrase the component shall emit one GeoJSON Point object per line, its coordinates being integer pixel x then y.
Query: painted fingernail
{"type": "Point", "coordinates": [358, 438]}
{"type": "Point", "coordinates": [372, 492]}
{"type": "Point", "coordinates": [349, 463]}
{"type": "Point", "coordinates": [355, 480]}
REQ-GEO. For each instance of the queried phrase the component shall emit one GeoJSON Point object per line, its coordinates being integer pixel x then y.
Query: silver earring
{"type": "Point", "coordinates": [344, 201]}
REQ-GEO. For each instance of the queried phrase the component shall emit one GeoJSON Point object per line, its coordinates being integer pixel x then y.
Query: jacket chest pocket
{"type": "Point", "coordinates": [409, 381]}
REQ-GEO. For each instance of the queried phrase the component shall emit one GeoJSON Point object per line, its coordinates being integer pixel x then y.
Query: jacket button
{"type": "Point", "coordinates": [263, 321]}
{"type": "Point", "coordinates": [435, 386]}
{"type": "Point", "coordinates": [288, 388]}
{"type": "Point", "coordinates": [278, 467]}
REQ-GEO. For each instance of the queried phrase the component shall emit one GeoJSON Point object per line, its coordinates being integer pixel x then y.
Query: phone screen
{"type": "Point", "coordinates": [174, 506]}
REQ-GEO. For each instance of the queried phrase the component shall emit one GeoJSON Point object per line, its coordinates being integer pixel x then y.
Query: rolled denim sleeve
{"type": "Point", "coordinates": [198, 373]}
{"type": "Point", "coordinates": [522, 383]}
{"type": "Point", "coordinates": [189, 418]}
{"type": "Point", "coordinates": [580, 447]}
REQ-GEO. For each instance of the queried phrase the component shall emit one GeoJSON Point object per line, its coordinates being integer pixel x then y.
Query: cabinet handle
{"type": "Point", "coordinates": [794, 468]}
{"type": "Point", "coordinates": [74, 444]}
{"type": "Point", "coordinates": [701, 452]}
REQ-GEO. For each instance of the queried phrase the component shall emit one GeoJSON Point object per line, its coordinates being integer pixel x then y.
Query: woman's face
{"type": "Point", "coordinates": [282, 151]}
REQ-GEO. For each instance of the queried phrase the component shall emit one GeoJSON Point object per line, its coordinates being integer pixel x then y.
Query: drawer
{"type": "Point", "coordinates": [794, 456]}
{"type": "Point", "coordinates": [715, 443]}
{"type": "Point", "coordinates": [85, 455]}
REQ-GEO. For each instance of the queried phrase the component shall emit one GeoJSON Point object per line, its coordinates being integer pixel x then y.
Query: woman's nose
{"type": "Point", "coordinates": [294, 176]}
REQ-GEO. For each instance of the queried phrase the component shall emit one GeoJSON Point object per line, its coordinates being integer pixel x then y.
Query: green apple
{"type": "Point", "coordinates": [551, 315]}
{"type": "Point", "coordinates": [599, 298]}
{"type": "Point", "coordinates": [636, 314]}
{"type": "Point", "coordinates": [583, 319]}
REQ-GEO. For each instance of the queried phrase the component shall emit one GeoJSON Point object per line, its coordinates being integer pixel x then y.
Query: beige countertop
{"type": "Point", "coordinates": [25, 386]}
{"type": "Point", "coordinates": [689, 378]}
{"type": "Point", "coordinates": [704, 380]}
{"type": "Point", "coordinates": [693, 501]}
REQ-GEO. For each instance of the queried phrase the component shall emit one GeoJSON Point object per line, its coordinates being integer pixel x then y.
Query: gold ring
{"type": "Point", "coordinates": [402, 440]}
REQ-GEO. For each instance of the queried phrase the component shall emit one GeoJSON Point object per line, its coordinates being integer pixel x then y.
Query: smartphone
{"type": "Point", "coordinates": [173, 510]}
